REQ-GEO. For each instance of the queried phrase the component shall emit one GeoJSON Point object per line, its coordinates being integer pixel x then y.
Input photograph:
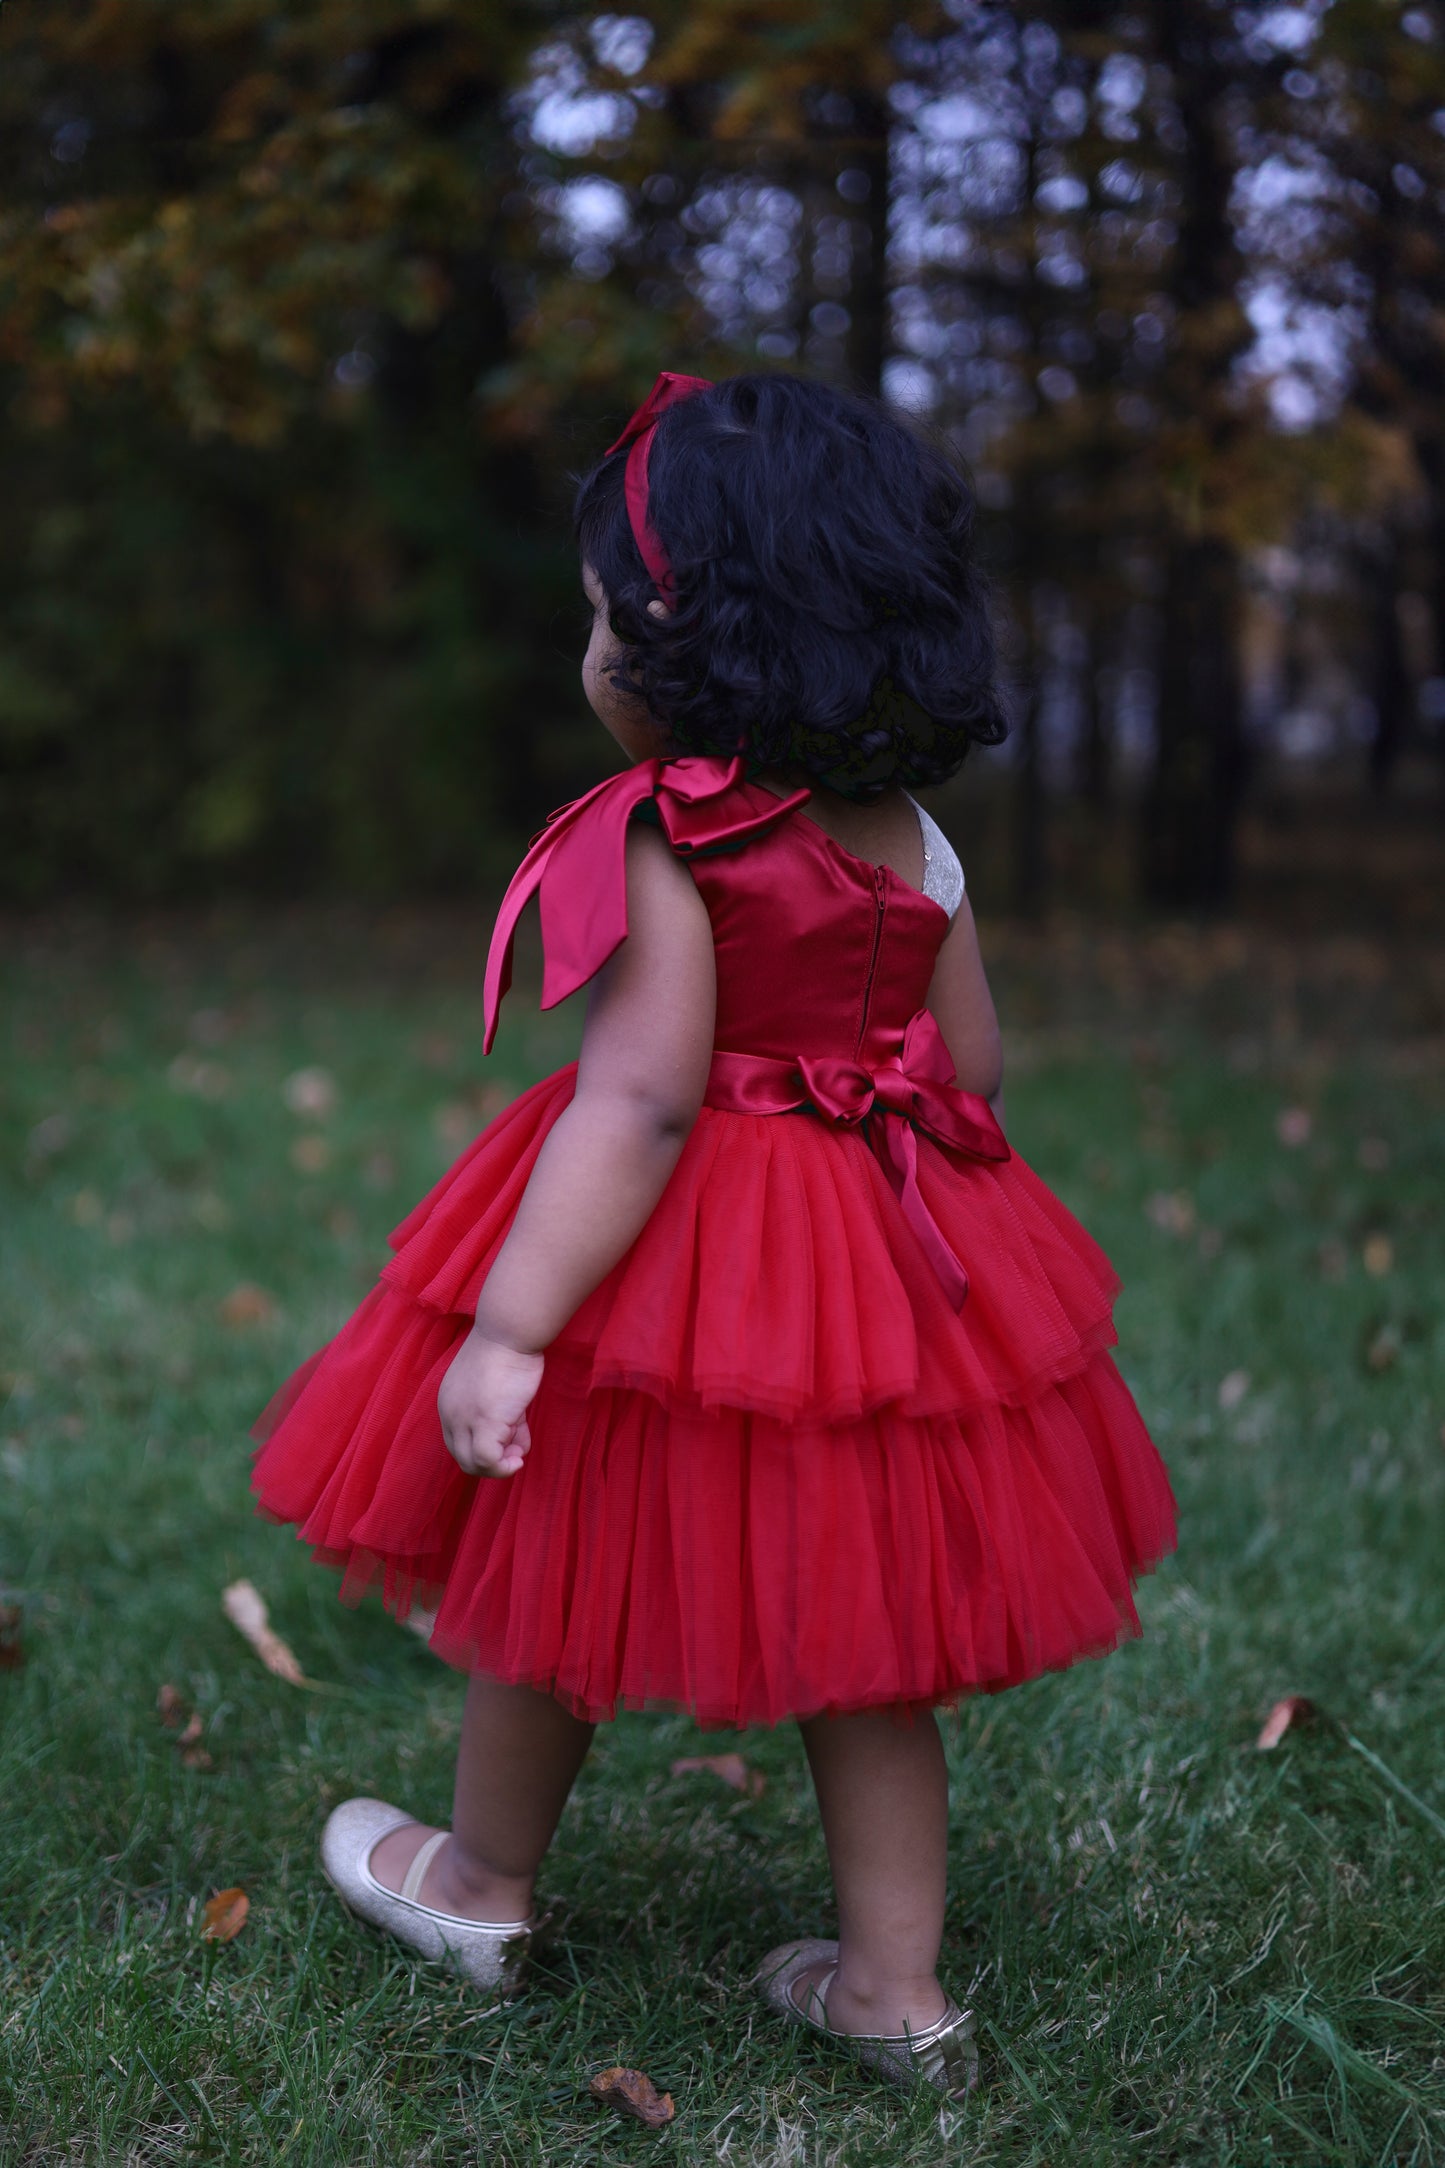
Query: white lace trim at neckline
{"type": "Point", "coordinates": [943, 881]}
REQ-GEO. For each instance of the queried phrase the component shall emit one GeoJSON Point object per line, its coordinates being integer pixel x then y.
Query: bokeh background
{"type": "Point", "coordinates": [310, 312]}
{"type": "Point", "coordinates": [309, 309]}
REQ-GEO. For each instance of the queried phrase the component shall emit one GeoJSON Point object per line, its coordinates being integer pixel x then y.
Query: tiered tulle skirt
{"type": "Point", "coordinates": [772, 1471]}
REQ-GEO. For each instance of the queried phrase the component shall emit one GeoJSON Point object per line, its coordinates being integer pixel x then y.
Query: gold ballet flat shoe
{"type": "Point", "coordinates": [491, 1954]}
{"type": "Point", "coordinates": [942, 2055]}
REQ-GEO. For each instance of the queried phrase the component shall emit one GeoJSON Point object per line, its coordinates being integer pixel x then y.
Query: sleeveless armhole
{"type": "Point", "coordinates": [943, 881]}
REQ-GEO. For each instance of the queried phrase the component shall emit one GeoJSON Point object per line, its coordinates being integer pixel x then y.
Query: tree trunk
{"type": "Point", "coordinates": [1389, 676]}
{"type": "Point", "coordinates": [1095, 770]}
{"type": "Point", "coordinates": [1192, 802]}
{"type": "Point", "coordinates": [868, 300]}
{"type": "Point", "coordinates": [1190, 807]}
{"type": "Point", "coordinates": [1030, 809]}
{"type": "Point", "coordinates": [1431, 455]}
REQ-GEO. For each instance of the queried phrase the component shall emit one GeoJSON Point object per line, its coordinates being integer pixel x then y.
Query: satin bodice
{"type": "Point", "coordinates": [817, 951]}
{"type": "Point", "coordinates": [823, 964]}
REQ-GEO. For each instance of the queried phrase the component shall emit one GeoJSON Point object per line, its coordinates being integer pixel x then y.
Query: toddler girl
{"type": "Point", "coordinates": [786, 1383]}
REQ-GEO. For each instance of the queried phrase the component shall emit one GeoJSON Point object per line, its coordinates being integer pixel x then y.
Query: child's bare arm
{"type": "Point", "coordinates": [646, 1050]}
{"type": "Point", "coordinates": [963, 1009]}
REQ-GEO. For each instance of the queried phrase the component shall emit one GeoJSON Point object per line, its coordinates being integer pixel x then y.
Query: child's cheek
{"type": "Point", "coordinates": [601, 692]}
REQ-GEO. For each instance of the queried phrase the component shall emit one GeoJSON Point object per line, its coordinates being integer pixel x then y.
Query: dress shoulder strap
{"type": "Point", "coordinates": [577, 864]}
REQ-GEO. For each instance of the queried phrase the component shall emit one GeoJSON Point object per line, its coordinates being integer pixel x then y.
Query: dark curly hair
{"type": "Point", "coordinates": [828, 610]}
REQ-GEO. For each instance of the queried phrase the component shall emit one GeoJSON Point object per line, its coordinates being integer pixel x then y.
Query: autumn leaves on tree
{"type": "Point", "coordinates": [305, 322]}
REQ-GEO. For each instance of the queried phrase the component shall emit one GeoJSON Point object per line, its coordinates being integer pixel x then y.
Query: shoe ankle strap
{"type": "Point", "coordinates": [416, 1872]}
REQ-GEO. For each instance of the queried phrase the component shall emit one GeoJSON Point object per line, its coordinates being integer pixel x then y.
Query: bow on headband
{"type": "Point", "coordinates": [669, 391]}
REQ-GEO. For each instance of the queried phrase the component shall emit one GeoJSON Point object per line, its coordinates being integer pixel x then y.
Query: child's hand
{"type": "Point", "coordinates": [483, 1405]}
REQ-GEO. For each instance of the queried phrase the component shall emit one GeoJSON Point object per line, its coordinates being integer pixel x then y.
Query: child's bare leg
{"type": "Point", "coordinates": [519, 1755]}
{"type": "Point", "coordinates": [883, 1794]}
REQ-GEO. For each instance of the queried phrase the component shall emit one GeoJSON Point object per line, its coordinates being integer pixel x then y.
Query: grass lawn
{"type": "Point", "coordinates": [1181, 1949]}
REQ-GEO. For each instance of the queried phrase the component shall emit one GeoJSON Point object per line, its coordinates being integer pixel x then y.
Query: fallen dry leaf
{"type": "Point", "coordinates": [246, 1305]}
{"type": "Point", "coordinates": [210, 1027]}
{"type": "Point", "coordinates": [1294, 1709]}
{"type": "Point", "coordinates": [1232, 1389]}
{"type": "Point", "coordinates": [460, 1120]}
{"type": "Point", "coordinates": [1293, 1126]}
{"type": "Point", "coordinates": [1172, 1211]}
{"type": "Point", "coordinates": [12, 1648]}
{"type": "Point", "coordinates": [310, 1091]}
{"type": "Point", "coordinates": [224, 1915]}
{"type": "Point", "coordinates": [633, 2093]}
{"type": "Point", "coordinates": [245, 1607]}
{"type": "Point", "coordinates": [189, 1727]}
{"type": "Point", "coordinates": [730, 1767]}
{"type": "Point", "coordinates": [1383, 1351]}
{"type": "Point", "coordinates": [1377, 1255]}
{"type": "Point", "coordinates": [455, 1124]}
{"type": "Point", "coordinates": [204, 1079]}
{"type": "Point", "coordinates": [49, 1136]}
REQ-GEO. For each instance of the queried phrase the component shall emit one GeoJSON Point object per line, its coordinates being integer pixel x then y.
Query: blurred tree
{"type": "Point", "coordinates": [746, 152]}
{"type": "Point", "coordinates": [1095, 297]}
{"type": "Point", "coordinates": [211, 205]}
{"type": "Point", "coordinates": [1363, 124]}
{"type": "Point", "coordinates": [276, 605]}
{"type": "Point", "coordinates": [1191, 805]}
{"type": "Point", "coordinates": [1092, 295]}
{"type": "Point", "coordinates": [302, 317]}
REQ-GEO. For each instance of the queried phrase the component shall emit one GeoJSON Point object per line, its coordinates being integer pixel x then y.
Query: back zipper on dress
{"type": "Point", "coordinates": [880, 888]}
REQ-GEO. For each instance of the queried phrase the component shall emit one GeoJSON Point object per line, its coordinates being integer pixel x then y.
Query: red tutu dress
{"type": "Point", "coordinates": [840, 1429]}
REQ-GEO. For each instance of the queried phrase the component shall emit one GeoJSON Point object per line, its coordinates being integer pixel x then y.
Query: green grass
{"type": "Point", "coordinates": [1182, 1950]}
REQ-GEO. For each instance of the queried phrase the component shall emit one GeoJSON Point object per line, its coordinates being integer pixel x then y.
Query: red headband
{"type": "Point", "coordinates": [668, 391]}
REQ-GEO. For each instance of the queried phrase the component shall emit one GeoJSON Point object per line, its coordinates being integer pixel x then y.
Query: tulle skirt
{"type": "Point", "coordinates": [773, 1472]}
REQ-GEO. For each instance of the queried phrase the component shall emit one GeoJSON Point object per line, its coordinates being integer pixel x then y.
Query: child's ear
{"type": "Point", "coordinates": [658, 608]}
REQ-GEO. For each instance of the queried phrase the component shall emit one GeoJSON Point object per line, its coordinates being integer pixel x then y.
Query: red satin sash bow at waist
{"type": "Point", "coordinates": [912, 1091]}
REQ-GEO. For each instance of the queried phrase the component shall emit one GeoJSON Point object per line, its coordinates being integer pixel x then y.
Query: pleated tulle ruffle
{"type": "Point", "coordinates": [772, 1470]}
{"type": "Point", "coordinates": [723, 1562]}
{"type": "Point", "coordinates": [777, 1276]}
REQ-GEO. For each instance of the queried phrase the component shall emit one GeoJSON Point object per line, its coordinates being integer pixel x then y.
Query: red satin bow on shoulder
{"type": "Point", "coordinates": [912, 1091]}
{"type": "Point", "coordinates": [669, 391]}
{"type": "Point", "coordinates": [578, 863]}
